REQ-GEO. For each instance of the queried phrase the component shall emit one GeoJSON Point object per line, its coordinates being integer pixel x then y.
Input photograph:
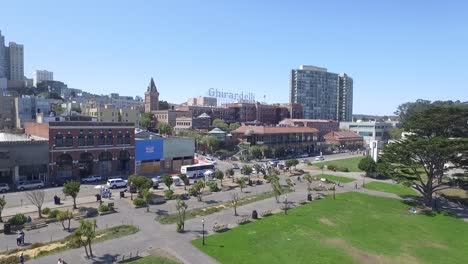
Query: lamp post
{"type": "Point", "coordinates": [52, 163]}
{"type": "Point", "coordinates": [203, 231]}
{"type": "Point", "coordinates": [286, 204]}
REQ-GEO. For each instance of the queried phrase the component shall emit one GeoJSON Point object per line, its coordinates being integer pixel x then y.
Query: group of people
{"type": "Point", "coordinates": [20, 238]}
{"type": "Point", "coordinates": [105, 193]}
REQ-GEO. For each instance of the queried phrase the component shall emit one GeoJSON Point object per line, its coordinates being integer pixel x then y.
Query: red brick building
{"type": "Point", "coordinates": [323, 126]}
{"type": "Point", "coordinates": [78, 149]}
{"type": "Point", "coordinates": [344, 139]}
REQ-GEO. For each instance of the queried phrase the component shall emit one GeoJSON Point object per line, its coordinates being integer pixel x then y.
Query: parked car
{"type": "Point", "coordinates": [319, 158]}
{"type": "Point", "coordinates": [34, 184]}
{"type": "Point", "coordinates": [303, 161]}
{"type": "Point", "coordinates": [235, 166]}
{"type": "Point", "coordinates": [4, 187]}
{"type": "Point", "coordinates": [91, 179]}
{"type": "Point", "coordinates": [116, 183]}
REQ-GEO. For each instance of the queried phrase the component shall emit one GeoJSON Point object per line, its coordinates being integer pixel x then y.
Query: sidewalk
{"type": "Point", "coordinates": [26, 209]}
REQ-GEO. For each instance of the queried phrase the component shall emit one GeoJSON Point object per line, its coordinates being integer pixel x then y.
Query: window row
{"type": "Point", "coordinates": [90, 139]}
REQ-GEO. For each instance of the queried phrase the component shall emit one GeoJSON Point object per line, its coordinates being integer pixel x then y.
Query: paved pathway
{"type": "Point", "coordinates": [154, 235]}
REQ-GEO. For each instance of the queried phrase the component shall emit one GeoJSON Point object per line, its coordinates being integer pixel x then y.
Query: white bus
{"type": "Point", "coordinates": [196, 170]}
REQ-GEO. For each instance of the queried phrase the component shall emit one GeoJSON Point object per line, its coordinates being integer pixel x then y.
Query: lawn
{"type": "Point", "coordinates": [351, 163]}
{"type": "Point", "coordinates": [335, 178]}
{"type": "Point", "coordinates": [391, 188]}
{"type": "Point", "coordinates": [152, 260]}
{"type": "Point", "coordinates": [354, 228]}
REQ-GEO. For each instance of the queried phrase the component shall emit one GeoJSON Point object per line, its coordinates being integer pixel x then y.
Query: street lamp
{"type": "Point", "coordinates": [203, 231]}
{"type": "Point", "coordinates": [286, 204]}
{"type": "Point", "coordinates": [52, 163]}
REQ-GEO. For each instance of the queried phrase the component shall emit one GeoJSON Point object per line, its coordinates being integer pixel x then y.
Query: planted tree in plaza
{"type": "Point", "coordinates": [290, 183]}
{"type": "Point", "coordinates": [147, 195]}
{"type": "Point", "coordinates": [257, 167]}
{"type": "Point", "coordinates": [141, 183]}
{"type": "Point", "coordinates": [291, 163]}
{"type": "Point", "coordinates": [84, 235]}
{"type": "Point", "coordinates": [256, 152]}
{"type": "Point", "coordinates": [63, 216]}
{"type": "Point", "coordinates": [368, 165]}
{"type": "Point", "coordinates": [168, 181]}
{"type": "Point", "coordinates": [185, 180]}
{"type": "Point", "coordinates": [437, 143]}
{"type": "Point", "coordinates": [219, 175]}
{"type": "Point", "coordinates": [229, 172]}
{"type": "Point", "coordinates": [246, 170]}
{"type": "Point", "coordinates": [181, 207]}
{"type": "Point", "coordinates": [72, 188]}
{"type": "Point", "coordinates": [234, 201]}
{"type": "Point", "coordinates": [196, 190]}
{"type": "Point", "coordinates": [3, 203]}
{"type": "Point", "coordinates": [36, 197]}
{"type": "Point", "coordinates": [242, 182]}
{"type": "Point", "coordinates": [219, 123]}
{"type": "Point", "coordinates": [309, 181]}
{"type": "Point", "coordinates": [275, 186]}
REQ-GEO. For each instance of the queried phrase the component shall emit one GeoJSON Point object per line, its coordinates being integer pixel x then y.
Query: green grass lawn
{"type": "Point", "coordinates": [153, 260]}
{"type": "Point", "coordinates": [351, 163]}
{"type": "Point", "coordinates": [335, 178]}
{"type": "Point", "coordinates": [390, 188]}
{"type": "Point", "coordinates": [354, 228]}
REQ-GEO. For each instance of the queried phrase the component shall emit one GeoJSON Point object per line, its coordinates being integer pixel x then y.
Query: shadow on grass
{"type": "Point", "coordinates": [106, 258]}
{"type": "Point", "coordinates": [161, 212]}
{"type": "Point", "coordinates": [210, 202]}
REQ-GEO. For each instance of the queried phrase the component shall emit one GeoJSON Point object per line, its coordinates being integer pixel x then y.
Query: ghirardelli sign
{"type": "Point", "coordinates": [214, 92]}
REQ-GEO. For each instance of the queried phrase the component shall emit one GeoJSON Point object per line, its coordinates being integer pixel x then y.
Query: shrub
{"type": "Point", "coordinates": [104, 208]}
{"type": "Point", "coordinates": [139, 202]}
{"type": "Point", "coordinates": [243, 220]}
{"type": "Point", "coordinates": [192, 191]}
{"type": "Point", "coordinates": [169, 194]}
{"type": "Point", "coordinates": [331, 167]}
{"type": "Point", "coordinates": [53, 213]}
{"type": "Point", "coordinates": [17, 219]}
{"type": "Point", "coordinates": [213, 186]}
{"type": "Point", "coordinates": [46, 210]}
{"type": "Point", "coordinates": [343, 169]}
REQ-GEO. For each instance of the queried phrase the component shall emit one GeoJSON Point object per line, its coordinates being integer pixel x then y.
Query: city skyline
{"type": "Point", "coordinates": [395, 52]}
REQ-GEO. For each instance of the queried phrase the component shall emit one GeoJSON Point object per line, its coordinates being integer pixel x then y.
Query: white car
{"type": "Point", "coordinates": [319, 158]}
{"type": "Point", "coordinates": [34, 184]}
{"type": "Point", "coordinates": [116, 183]}
{"type": "Point", "coordinates": [91, 179]}
{"type": "Point", "coordinates": [4, 187]}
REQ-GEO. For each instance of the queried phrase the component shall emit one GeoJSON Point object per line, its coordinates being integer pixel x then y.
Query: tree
{"type": "Point", "coordinates": [234, 126]}
{"type": "Point", "coordinates": [2, 205]}
{"type": "Point", "coordinates": [168, 181]}
{"type": "Point", "coordinates": [196, 190]}
{"type": "Point", "coordinates": [36, 197]}
{"type": "Point", "coordinates": [219, 175]}
{"type": "Point", "coordinates": [275, 186]}
{"type": "Point", "coordinates": [256, 152]}
{"type": "Point", "coordinates": [58, 109]}
{"type": "Point", "coordinates": [246, 170]}
{"type": "Point", "coordinates": [242, 181]}
{"type": "Point", "coordinates": [72, 188]}
{"type": "Point", "coordinates": [140, 182]}
{"type": "Point", "coordinates": [163, 105]}
{"type": "Point", "coordinates": [147, 195]}
{"type": "Point", "coordinates": [181, 207]}
{"type": "Point", "coordinates": [63, 216]}
{"type": "Point", "coordinates": [395, 133]}
{"type": "Point", "coordinates": [209, 143]}
{"type": "Point", "coordinates": [438, 137]}
{"type": "Point", "coordinates": [291, 163]}
{"type": "Point", "coordinates": [257, 167]}
{"type": "Point", "coordinates": [309, 180]}
{"type": "Point", "coordinates": [290, 183]}
{"type": "Point", "coordinates": [84, 235]}
{"type": "Point", "coordinates": [368, 165]}
{"type": "Point", "coordinates": [234, 201]}
{"type": "Point", "coordinates": [219, 123]}
{"type": "Point", "coordinates": [185, 180]}
{"type": "Point", "coordinates": [145, 120]}
{"type": "Point", "coordinates": [229, 172]}
{"type": "Point", "coordinates": [164, 128]}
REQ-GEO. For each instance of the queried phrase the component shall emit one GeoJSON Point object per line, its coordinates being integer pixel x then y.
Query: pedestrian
{"type": "Point", "coordinates": [355, 185]}
{"type": "Point", "coordinates": [18, 240]}
{"type": "Point", "coordinates": [21, 258]}
{"type": "Point", "coordinates": [22, 237]}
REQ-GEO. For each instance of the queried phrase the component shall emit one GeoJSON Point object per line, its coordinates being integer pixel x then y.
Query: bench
{"type": "Point", "coordinates": [35, 225]}
{"type": "Point", "coordinates": [302, 202]}
{"type": "Point", "coordinates": [220, 228]}
{"type": "Point", "coordinates": [80, 215]}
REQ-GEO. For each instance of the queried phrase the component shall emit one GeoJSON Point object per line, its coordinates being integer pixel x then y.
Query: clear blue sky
{"type": "Point", "coordinates": [396, 51]}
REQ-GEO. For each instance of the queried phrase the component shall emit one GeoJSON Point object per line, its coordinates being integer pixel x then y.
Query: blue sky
{"type": "Point", "coordinates": [396, 51]}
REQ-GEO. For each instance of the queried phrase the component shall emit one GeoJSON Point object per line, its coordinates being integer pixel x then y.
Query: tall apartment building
{"type": "Point", "coordinates": [322, 94]}
{"type": "Point", "coordinates": [3, 58]}
{"type": "Point", "coordinates": [42, 75]}
{"type": "Point", "coordinates": [15, 62]}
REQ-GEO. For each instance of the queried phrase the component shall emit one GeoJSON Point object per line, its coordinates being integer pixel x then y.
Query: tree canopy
{"type": "Point", "coordinates": [219, 123]}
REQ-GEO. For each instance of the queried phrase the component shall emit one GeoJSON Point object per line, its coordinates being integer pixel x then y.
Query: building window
{"type": "Point", "coordinates": [110, 138]}
{"type": "Point", "coordinates": [81, 139]}
{"type": "Point", "coordinates": [101, 139]}
{"type": "Point", "coordinates": [120, 139]}
{"type": "Point", "coordinates": [127, 138]}
{"type": "Point", "coordinates": [90, 139]}
{"type": "Point", "coordinates": [59, 140]}
{"type": "Point", "coordinates": [69, 140]}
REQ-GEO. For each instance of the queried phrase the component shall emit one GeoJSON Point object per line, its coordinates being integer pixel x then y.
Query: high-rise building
{"type": "Point", "coordinates": [151, 98]}
{"type": "Point", "coordinates": [42, 75]}
{"type": "Point", "coordinates": [15, 62]}
{"type": "Point", "coordinates": [322, 94]}
{"type": "Point", "coordinates": [3, 57]}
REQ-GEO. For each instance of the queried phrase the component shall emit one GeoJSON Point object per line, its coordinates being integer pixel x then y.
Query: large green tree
{"type": "Point", "coordinates": [72, 188]}
{"type": "Point", "coordinates": [439, 143]}
{"type": "Point", "coordinates": [164, 128]}
{"type": "Point", "coordinates": [368, 165]}
{"type": "Point", "coordinates": [141, 183]}
{"type": "Point", "coordinates": [219, 123]}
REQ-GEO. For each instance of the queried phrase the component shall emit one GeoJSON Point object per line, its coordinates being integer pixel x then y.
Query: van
{"type": "Point", "coordinates": [177, 181]}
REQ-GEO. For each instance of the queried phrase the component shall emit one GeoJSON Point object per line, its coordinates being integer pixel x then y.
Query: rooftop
{"type": "Point", "coordinates": [342, 135]}
{"type": "Point", "coordinates": [273, 130]}
{"type": "Point", "coordinates": [6, 137]}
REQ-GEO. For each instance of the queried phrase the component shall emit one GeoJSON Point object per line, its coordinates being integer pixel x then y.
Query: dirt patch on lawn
{"type": "Point", "coordinates": [327, 221]}
{"type": "Point", "coordinates": [436, 245]}
{"type": "Point", "coordinates": [367, 257]}
{"type": "Point", "coordinates": [158, 252]}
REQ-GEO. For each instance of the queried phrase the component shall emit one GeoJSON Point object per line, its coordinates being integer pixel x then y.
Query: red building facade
{"type": "Point", "coordinates": [80, 149]}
